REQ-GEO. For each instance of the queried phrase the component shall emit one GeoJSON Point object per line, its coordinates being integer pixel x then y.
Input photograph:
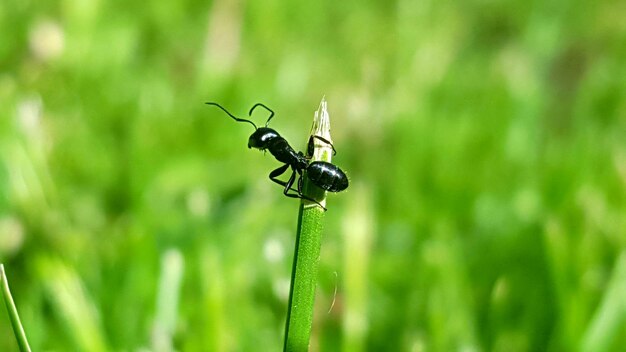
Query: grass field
{"type": "Point", "coordinates": [485, 143]}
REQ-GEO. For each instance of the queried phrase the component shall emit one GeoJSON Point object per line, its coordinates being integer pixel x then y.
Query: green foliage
{"type": "Point", "coordinates": [484, 143]}
{"type": "Point", "coordinates": [18, 329]}
{"type": "Point", "coordinates": [304, 279]}
{"type": "Point", "coordinates": [306, 257]}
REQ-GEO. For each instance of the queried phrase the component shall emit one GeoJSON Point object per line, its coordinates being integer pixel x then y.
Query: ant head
{"type": "Point", "coordinates": [261, 137]}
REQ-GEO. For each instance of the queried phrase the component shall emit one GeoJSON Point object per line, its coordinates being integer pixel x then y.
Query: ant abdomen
{"type": "Point", "coordinates": [327, 176]}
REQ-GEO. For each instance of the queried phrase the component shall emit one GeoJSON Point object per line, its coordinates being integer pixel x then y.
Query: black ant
{"type": "Point", "coordinates": [324, 175]}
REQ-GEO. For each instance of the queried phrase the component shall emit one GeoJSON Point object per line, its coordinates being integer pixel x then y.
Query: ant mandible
{"type": "Point", "coordinates": [324, 175]}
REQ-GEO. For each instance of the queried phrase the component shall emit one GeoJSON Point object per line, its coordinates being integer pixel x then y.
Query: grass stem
{"type": "Point", "coordinates": [20, 335]}
{"type": "Point", "coordinates": [308, 246]}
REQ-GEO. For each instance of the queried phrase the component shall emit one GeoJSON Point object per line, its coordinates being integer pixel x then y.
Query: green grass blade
{"type": "Point", "coordinates": [610, 315]}
{"type": "Point", "coordinates": [304, 279]}
{"type": "Point", "coordinates": [307, 249]}
{"type": "Point", "coordinates": [20, 335]}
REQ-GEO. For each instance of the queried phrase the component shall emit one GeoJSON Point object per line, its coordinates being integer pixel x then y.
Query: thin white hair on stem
{"type": "Point", "coordinates": [335, 293]}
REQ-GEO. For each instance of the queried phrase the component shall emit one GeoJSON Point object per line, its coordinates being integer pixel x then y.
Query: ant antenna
{"type": "Point", "coordinates": [231, 115]}
{"type": "Point", "coordinates": [266, 108]}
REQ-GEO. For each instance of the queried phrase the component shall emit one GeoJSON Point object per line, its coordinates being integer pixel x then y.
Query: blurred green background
{"type": "Point", "coordinates": [484, 139]}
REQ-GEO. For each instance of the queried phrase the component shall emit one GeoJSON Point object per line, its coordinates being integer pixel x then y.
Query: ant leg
{"type": "Point", "coordinates": [274, 175]}
{"type": "Point", "coordinates": [289, 184]}
{"type": "Point", "coordinates": [266, 108]}
{"type": "Point", "coordinates": [305, 197]}
{"type": "Point", "coordinates": [288, 187]}
{"type": "Point", "coordinates": [300, 183]}
{"type": "Point", "coordinates": [310, 147]}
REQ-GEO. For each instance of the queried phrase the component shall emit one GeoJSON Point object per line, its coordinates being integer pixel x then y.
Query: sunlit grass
{"type": "Point", "coordinates": [485, 144]}
{"type": "Point", "coordinates": [308, 245]}
{"type": "Point", "coordinates": [18, 329]}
